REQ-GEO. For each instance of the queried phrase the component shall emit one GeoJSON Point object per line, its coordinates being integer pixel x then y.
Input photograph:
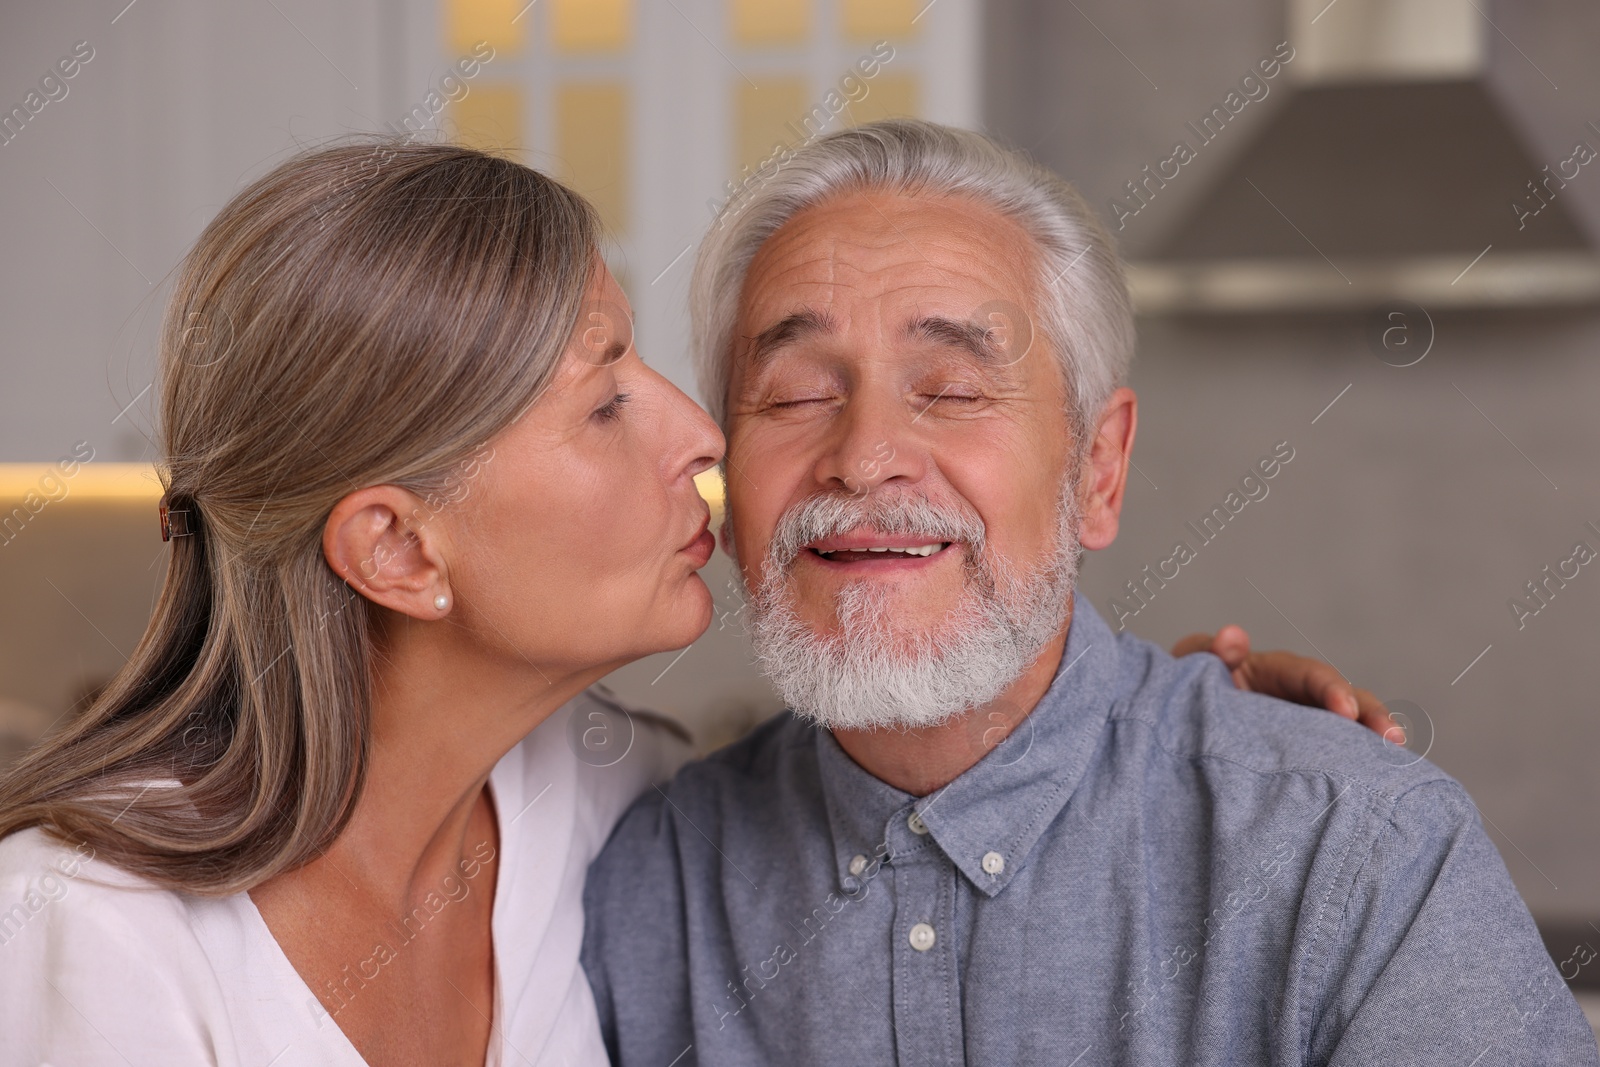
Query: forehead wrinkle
{"type": "Point", "coordinates": [844, 284]}
{"type": "Point", "coordinates": [837, 266]}
{"type": "Point", "coordinates": [926, 262]}
{"type": "Point", "coordinates": [872, 246]}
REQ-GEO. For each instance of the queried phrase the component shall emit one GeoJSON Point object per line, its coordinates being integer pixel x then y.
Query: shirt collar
{"type": "Point", "coordinates": [997, 809]}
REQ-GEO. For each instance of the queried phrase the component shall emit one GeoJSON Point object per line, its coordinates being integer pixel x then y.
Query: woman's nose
{"type": "Point", "coordinates": [704, 444]}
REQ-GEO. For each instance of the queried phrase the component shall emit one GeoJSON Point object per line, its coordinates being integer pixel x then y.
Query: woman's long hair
{"type": "Point", "coordinates": [368, 313]}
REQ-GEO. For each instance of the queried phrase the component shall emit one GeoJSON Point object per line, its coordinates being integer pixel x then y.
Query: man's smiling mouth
{"type": "Point", "coordinates": [870, 548]}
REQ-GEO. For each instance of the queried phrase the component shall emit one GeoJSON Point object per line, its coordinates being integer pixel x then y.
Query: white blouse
{"type": "Point", "coordinates": [99, 967]}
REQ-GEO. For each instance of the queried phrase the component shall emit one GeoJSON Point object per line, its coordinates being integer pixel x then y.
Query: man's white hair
{"type": "Point", "coordinates": [1082, 296]}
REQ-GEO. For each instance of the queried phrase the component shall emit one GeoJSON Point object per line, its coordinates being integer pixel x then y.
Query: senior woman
{"type": "Point", "coordinates": [419, 498]}
{"type": "Point", "coordinates": [413, 522]}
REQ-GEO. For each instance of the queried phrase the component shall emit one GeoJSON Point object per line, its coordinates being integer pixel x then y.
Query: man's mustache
{"type": "Point", "coordinates": [911, 514]}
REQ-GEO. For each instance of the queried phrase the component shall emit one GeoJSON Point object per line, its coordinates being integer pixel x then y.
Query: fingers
{"type": "Point", "coordinates": [1332, 691]}
{"type": "Point", "coordinates": [1375, 716]}
{"type": "Point", "coordinates": [1191, 644]}
{"type": "Point", "coordinates": [1303, 680]}
{"type": "Point", "coordinates": [1323, 686]}
{"type": "Point", "coordinates": [1359, 704]}
{"type": "Point", "coordinates": [1317, 684]}
{"type": "Point", "coordinates": [1299, 679]}
{"type": "Point", "coordinates": [1232, 646]}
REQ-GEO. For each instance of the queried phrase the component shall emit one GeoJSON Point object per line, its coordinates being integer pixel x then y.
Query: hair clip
{"type": "Point", "coordinates": [174, 521]}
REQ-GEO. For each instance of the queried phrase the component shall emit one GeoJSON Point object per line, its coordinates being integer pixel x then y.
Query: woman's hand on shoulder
{"type": "Point", "coordinates": [1292, 677]}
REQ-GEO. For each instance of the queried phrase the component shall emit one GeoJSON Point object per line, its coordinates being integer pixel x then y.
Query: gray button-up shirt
{"type": "Point", "coordinates": [1155, 868]}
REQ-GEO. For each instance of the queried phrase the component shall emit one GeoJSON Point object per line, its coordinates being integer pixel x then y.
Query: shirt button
{"type": "Point", "coordinates": [993, 862]}
{"type": "Point", "coordinates": [922, 937]}
{"type": "Point", "coordinates": [919, 828]}
{"type": "Point", "coordinates": [858, 865]}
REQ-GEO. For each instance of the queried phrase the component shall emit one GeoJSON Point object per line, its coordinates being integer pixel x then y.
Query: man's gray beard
{"type": "Point", "coordinates": [871, 673]}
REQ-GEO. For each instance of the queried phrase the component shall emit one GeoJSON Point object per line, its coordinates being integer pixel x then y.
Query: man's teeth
{"type": "Point", "coordinates": [920, 550]}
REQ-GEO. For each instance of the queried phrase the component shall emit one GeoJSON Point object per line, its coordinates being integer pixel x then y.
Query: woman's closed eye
{"type": "Point", "coordinates": [611, 410]}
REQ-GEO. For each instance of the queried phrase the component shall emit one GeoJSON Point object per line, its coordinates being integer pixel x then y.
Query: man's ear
{"type": "Point", "coordinates": [1105, 472]}
{"type": "Point", "coordinates": [369, 541]}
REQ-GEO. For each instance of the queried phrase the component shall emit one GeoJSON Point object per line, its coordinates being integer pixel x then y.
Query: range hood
{"type": "Point", "coordinates": [1390, 172]}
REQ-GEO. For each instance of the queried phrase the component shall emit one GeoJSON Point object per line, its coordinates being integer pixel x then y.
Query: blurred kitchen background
{"type": "Point", "coordinates": [1365, 228]}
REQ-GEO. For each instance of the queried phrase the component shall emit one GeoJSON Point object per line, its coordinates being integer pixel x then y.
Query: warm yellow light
{"type": "Point", "coordinates": [138, 481]}
{"type": "Point", "coordinates": [91, 481]}
{"type": "Point", "coordinates": [592, 144]}
{"type": "Point", "coordinates": [489, 117]}
{"type": "Point", "coordinates": [866, 20]}
{"type": "Point", "coordinates": [713, 491]}
{"type": "Point", "coordinates": [889, 96]}
{"type": "Point", "coordinates": [770, 22]}
{"type": "Point", "coordinates": [768, 119]}
{"type": "Point", "coordinates": [590, 25]}
{"type": "Point", "coordinates": [501, 23]}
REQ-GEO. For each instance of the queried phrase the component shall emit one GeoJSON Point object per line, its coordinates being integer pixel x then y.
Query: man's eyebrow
{"type": "Point", "coordinates": [970, 337]}
{"type": "Point", "coordinates": [786, 331]}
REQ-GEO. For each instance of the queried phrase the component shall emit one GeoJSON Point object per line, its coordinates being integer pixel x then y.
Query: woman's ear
{"type": "Point", "coordinates": [370, 541]}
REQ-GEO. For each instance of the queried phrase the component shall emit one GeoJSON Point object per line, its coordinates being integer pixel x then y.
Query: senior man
{"type": "Point", "coordinates": [1018, 838]}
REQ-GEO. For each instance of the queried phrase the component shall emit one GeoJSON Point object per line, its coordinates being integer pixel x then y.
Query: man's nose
{"type": "Point", "coordinates": [873, 440]}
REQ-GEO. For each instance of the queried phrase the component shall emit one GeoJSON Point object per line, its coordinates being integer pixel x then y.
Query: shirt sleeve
{"type": "Point", "coordinates": [92, 974]}
{"type": "Point", "coordinates": [1438, 960]}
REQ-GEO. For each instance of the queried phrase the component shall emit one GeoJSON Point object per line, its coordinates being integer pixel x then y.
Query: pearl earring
{"type": "Point", "coordinates": [441, 602]}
